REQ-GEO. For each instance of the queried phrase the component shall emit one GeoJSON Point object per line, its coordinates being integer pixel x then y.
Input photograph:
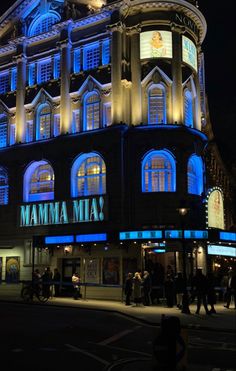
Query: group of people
{"type": "Point", "coordinates": [202, 289]}
{"type": "Point", "coordinates": [47, 281]}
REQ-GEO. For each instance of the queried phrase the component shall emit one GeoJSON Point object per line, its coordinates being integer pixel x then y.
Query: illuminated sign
{"type": "Point", "coordinates": [215, 209]}
{"type": "Point", "coordinates": [58, 239]}
{"type": "Point", "coordinates": [189, 52]}
{"type": "Point", "coordinates": [91, 237]}
{"type": "Point", "coordinates": [62, 212]}
{"type": "Point", "coordinates": [140, 235]}
{"type": "Point", "coordinates": [221, 250]}
{"type": "Point", "coordinates": [156, 44]}
{"type": "Point", "coordinates": [173, 234]}
{"type": "Point", "coordinates": [228, 236]}
{"type": "Point", "coordinates": [195, 234]}
{"type": "Point", "coordinates": [183, 20]}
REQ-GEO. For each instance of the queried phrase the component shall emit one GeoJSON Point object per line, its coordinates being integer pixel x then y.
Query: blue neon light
{"type": "Point", "coordinates": [91, 237]}
{"type": "Point", "coordinates": [140, 235]}
{"type": "Point", "coordinates": [58, 239]}
{"type": "Point", "coordinates": [196, 234]}
{"type": "Point", "coordinates": [159, 250]}
{"type": "Point", "coordinates": [229, 236]}
{"type": "Point", "coordinates": [173, 234]}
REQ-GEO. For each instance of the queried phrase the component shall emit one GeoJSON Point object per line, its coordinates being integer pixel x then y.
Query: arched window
{"type": "Point", "coordinates": [158, 172]}
{"type": "Point", "coordinates": [38, 182]}
{"type": "Point", "coordinates": [88, 175]}
{"type": "Point", "coordinates": [156, 105]}
{"type": "Point", "coordinates": [3, 130]}
{"type": "Point", "coordinates": [43, 23]}
{"type": "Point", "coordinates": [43, 122]}
{"type": "Point", "coordinates": [4, 187]}
{"type": "Point", "coordinates": [195, 175]}
{"type": "Point", "coordinates": [91, 111]}
{"type": "Point", "coordinates": [188, 108]}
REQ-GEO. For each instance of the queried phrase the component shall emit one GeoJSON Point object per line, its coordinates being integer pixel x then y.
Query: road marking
{"type": "Point", "coordinates": [125, 350]}
{"type": "Point", "coordinates": [118, 336]}
{"type": "Point", "coordinates": [76, 349]}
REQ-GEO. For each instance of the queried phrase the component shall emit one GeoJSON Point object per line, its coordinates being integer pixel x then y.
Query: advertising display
{"type": "Point", "coordinates": [215, 209]}
{"type": "Point", "coordinates": [221, 250]}
{"type": "Point", "coordinates": [92, 270]}
{"type": "Point", "coordinates": [189, 52]}
{"type": "Point", "coordinates": [155, 44]}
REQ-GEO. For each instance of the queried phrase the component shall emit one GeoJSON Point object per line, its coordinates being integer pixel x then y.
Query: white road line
{"type": "Point", "coordinates": [91, 355]}
{"type": "Point", "coordinates": [124, 350]}
{"type": "Point", "coordinates": [118, 336]}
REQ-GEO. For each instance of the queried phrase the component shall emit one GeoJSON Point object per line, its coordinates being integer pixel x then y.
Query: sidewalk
{"type": "Point", "coordinates": [223, 320]}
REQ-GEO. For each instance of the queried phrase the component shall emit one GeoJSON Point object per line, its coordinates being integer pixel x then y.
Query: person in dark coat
{"type": "Point", "coordinates": [47, 281]}
{"type": "Point", "coordinates": [57, 283]}
{"type": "Point", "coordinates": [147, 287]}
{"type": "Point", "coordinates": [169, 291]}
{"type": "Point", "coordinates": [231, 289]}
{"type": "Point", "coordinates": [128, 288]}
{"type": "Point", "coordinates": [179, 289]}
{"type": "Point", "coordinates": [137, 287]}
{"type": "Point", "coordinates": [201, 286]}
{"type": "Point", "coordinates": [211, 294]}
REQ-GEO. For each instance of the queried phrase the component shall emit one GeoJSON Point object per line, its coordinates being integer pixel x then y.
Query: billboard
{"type": "Point", "coordinates": [189, 52]}
{"type": "Point", "coordinates": [156, 44]}
{"type": "Point", "coordinates": [221, 250]}
{"type": "Point", "coordinates": [215, 209]}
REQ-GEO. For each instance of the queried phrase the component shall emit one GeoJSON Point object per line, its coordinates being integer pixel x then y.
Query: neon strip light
{"type": "Point", "coordinates": [196, 234]}
{"type": "Point", "coordinates": [91, 237]}
{"type": "Point", "coordinates": [140, 235]}
{"type": "Point", "coordinates": [229, 236]}
{"type": "Point", "coordinates": [58, 239]}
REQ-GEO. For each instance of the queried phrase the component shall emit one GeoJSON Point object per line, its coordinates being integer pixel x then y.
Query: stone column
{"type": "Point", "coordinates": [116, 58]}
{"type": "Point", "coordinates": [65, 111]}
{"type": "Point", "coordinates": [177, 90]}
{"type": "Point", "coordinates": [20, 94]}
{"type": "Point", "coordinates": [136, 100]}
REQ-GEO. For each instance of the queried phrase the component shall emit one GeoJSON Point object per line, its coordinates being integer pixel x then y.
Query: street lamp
{"type": "Point", "coordinates": [185, 302]}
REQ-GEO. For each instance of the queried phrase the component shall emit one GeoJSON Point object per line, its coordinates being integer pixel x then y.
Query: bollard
{"type": "Point", "coordinates": [170, 346]}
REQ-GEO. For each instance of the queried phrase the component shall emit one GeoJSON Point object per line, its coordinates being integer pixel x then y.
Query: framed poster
{"type": "Point", "coordinates": [12, 269]}
{"type": "Point", "coordinates": [0, 269]}
{"type": "Point", "coordinates": [111, 271]}
{"type": "Point", "coordinates": [189, 52]}
{"type": "Point", "coordinates": [155, 44]}
{"type": "Point", "coordinates": [92, 270]}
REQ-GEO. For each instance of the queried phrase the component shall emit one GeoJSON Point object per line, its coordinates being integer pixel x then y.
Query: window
{"type": "Point", "coordinates": [77, 60]}
{"type": "Point", "coordinates": [38, 182]}
{"type": "Point", "coordinates": [57, 67]}
{"type": "Point", "coordinates": [158, 172]}
{"type": "Point", "coordinates": [56, 129]}
{"type": "Point", "coordinates": [4, 82]}
{"type": "Point", "coordinates": [106, 51]}
{"type": "Point", "coordinates": [76, 121]}
{"type": "Point", "coordinates": [4, 187]}
{"type": "Point", "coordinates": [44, 72]}
{"type": "Point", "coordinates": [91, 111]}
{"type": "Point", "coordinates": [43, 118]}
{"type": "Point", "coordinates": [12, 134]}
{"type": "Point", "coordinates": [91, 56]}
{"type": "Point", "coordinates": [195, 175]}
{"type": "Point", "coordinates": [156, 105]}
{"type": "Point", "coordinates": [88, 175]}
{"type": "Point", "coordinates": [13, 79]}
{"type": "Point", "coordinates": [3, 130]}
{"type": "Point", "coordinates": [107, 114]}
{"type": "Point", "coordinates": [188, 108]}
{"type": "Point", "coordinates": [43, 23]}
{"type": "Point", "coordinates": [29, 131]}
{"type": "Point", "coordinates": [32, 74]}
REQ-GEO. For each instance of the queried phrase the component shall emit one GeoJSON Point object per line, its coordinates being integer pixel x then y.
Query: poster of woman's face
{"type": "Point", "coordinates": [156, 44]}
{"type": "Point", "coordinates": [12, 269]}
{"type": "Point", "coordinates": [111, 267]}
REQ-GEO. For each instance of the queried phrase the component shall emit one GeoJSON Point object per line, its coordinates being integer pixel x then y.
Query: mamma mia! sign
{"type": "Point", "coordinates": [63, 212]}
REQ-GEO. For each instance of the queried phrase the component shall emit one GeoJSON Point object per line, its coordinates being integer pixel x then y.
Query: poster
{"type": "Point", "coordinates": [0, 269]}
{"type": "Point", "coordinates": [92, 270]}
{"type": "Point", "coordinates": [156, 44]}
{"type": "Point", "coordinates": [189, 52]}
{"type": "Point", "coordinates": [111, 268]}
{"type": "Point", "coordinates": [215, 210]}
{"type": "Point", "coordinates": [12, 269]}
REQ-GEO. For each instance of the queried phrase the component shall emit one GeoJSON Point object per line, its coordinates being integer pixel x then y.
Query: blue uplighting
{"type": "Point", "coordinates": [58, 239]}
{"type": "Point", "coordinates": [91, 237]}
{"type": "Point", "coordinates": [228, 236]}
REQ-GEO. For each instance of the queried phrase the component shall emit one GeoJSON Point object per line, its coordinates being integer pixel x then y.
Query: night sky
{"type": "Point", "coordinates": [220, 73]}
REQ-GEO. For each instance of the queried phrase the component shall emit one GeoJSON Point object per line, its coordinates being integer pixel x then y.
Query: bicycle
{"type": "Point", "coordinates": [31, 290]}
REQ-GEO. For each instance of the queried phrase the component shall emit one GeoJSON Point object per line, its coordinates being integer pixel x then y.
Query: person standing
{"type": "Point", "coordinates": [201, 287]}
{"type": "Point", "coordinates": [147, 287]}
{"type": "Point", "coordinates": [179, 289]}
{"type": "Point", "coordinates": [128, 288]}
{"type": "Point", "coordinates": [57, 282]}
{"type": "Point", "coordinates": [46, 282]}
{"type": "Point", "coordinates": [76, 285]}
{"type": "Point", "coordinates": [169, 291]}
{"type": "Point", "coordinates": [137, 287]}
{"type": "Point", "coordinates": [211, 294]}
{"type": "Point", "coordinates": [231, 289]}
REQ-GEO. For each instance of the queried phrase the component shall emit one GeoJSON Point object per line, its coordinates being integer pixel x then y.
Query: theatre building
{"type": "Point", "coordinates": [105, 163]}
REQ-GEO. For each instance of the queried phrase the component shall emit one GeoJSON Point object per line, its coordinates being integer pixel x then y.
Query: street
{"type": "Point", "coordinates": [45, 337]}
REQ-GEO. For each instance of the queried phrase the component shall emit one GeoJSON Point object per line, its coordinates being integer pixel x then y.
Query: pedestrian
{"type": "Point", "coordinates": [76, 285]}
{"type": "Point", "coordinates": [201, 285]}
{"type": "Point", "coordinates": [211, 294]}
{"type": "Point", "coordinates": [37, 279]}
{"type": "Point", "coordinates": [57, 282]}
{"type": "Point", "coordinates": [147, 287]}
{"type": "Point", "coordinates": [46, 282]}
{"type": "Point", "coordinates": [137, 287]}
{"type": "Point", "coordinates": [231, 289]}
{"type": "Point", "coordinates": [128, 288]}
{"type": "Point", "coordinates": [169, 291]}
{"type": "Point", "coordinates": [179, 289]}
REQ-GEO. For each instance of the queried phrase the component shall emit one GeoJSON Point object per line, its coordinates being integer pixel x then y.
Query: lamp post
{"type": "Point", "coordinates": [185, 302]}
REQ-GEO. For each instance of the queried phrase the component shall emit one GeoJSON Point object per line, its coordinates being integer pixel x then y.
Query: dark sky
{"type": "Point", "coordinates": [220, 69]}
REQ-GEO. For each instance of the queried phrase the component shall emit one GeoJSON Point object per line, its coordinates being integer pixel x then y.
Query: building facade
{"type": "Point", "coordinates": [105, 163]}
